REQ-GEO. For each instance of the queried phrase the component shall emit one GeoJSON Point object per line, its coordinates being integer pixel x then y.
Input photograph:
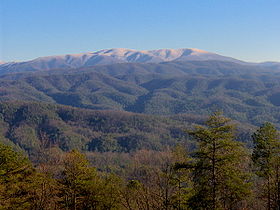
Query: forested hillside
{"type": "Point", "coordinates": [246, 93]}
{"type": "Point", "coordinates": [36, 127]}
{"type": "Point", "coordinates": [136, 136]}
{"type": "Point", "coordinates": [219, 173]}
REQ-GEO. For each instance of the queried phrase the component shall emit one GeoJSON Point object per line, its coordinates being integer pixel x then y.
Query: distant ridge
{"type": "Point", "coordinates": [121, 55]}
{"type": "Point", "coordinates": [112, 56]}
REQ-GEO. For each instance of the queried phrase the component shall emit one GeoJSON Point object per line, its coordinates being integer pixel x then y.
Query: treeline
{"type": "Point", "coordinates": [220, 173]}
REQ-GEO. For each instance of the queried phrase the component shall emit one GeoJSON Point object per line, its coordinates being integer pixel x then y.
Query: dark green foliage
{"type": "Point", "coordinates": [72, 184]}
{"type": "Point", "coordinates": [220, 178]}
{"type": "Point", "coordinates": [76, 175]}
{"type": "Point", "coordinates": [266, 148]}
{"type": "Point", "coordinates": [104, 143]}
{"type": "Point", "coordinates": [137, 141]}
{"type": "Point", "coordinates": [266, 158]}
{"type": "Point", "coordinates": [16, 174]}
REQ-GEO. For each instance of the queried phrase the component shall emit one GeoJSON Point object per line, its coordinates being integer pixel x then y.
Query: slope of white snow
{"type": "Point", "coordinates": [111, 56]}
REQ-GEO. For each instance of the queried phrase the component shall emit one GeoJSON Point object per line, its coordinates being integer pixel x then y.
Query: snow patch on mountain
{"type": "Point", "coordinates": [112, 56]}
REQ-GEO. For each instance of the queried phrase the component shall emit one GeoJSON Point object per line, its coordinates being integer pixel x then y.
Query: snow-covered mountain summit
{"type": "Point", "coordinates": [112, 56]}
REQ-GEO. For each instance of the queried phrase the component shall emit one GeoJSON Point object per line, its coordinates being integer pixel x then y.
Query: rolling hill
{"type": "Point", "coordinates": [244, 92]}
{"type": "Point", "coordinates": [138, 100]}
{"type": "Point", "coordinates": [37, 127]}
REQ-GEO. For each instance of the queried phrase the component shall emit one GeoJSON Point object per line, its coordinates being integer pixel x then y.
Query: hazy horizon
{"type": "Point", "coordinates": [81, 53]}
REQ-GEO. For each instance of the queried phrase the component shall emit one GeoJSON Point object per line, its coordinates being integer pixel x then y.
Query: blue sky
{"type": "Point", "coordinates": [244, 29]}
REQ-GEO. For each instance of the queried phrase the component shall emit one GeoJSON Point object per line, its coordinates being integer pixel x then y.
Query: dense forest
{"type": "Point", "coordinates": [35, 127]}
{"type": "Point", "coordinates": [109, 105]}
{"type": "Point", "coordinates": [218, 172]}
{"type": "Point", "coordinates": [141, 136]}
{"type": "Point", "coordinates": [245, 93]}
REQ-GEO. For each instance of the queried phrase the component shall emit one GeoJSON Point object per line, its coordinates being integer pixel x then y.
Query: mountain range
{"type": "Point", "coordinates": [158, 82]}
{"type": "Point", "coordinates": [119, 55]}
{"type": "Point", "coordinates": [126, 100]}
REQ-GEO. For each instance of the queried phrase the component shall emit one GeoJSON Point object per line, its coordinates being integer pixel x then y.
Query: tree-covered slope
{"type": "Point", "coordinates": [35, 127]}
{"type": "Point", "coordinates": [244, 93]}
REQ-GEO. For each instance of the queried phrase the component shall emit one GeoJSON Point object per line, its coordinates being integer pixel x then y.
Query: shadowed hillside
{"type": "Point", "coordinates": [36, 127]}
{"type": "Point", "coordinates": [244, 93]}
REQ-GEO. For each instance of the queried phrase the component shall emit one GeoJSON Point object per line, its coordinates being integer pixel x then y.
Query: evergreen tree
{"type": "Point", "coordinates": [16, 177]}
{"type": "Point", "coordinates": [220, 179]}
{"type": "Point", "coordinates": [83, 188]}
{"type": "Point", "coordinates": [75, 175]}
{"type": "Point", "coordinates": [44, 191]}
{"type": "Point", "coordinates": [266, 158]}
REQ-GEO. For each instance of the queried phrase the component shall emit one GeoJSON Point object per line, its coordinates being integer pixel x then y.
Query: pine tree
{"type": "Point", "coordinates": [16, 177]}
{"type": "Point", "coordinates": [83, 188]}
{"type": "Point", "coordinates": [266, 158]}
{"type": "Point", "coordinates": [220, 179]}
{"type": "Point", "coordinates": [75, 176]}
